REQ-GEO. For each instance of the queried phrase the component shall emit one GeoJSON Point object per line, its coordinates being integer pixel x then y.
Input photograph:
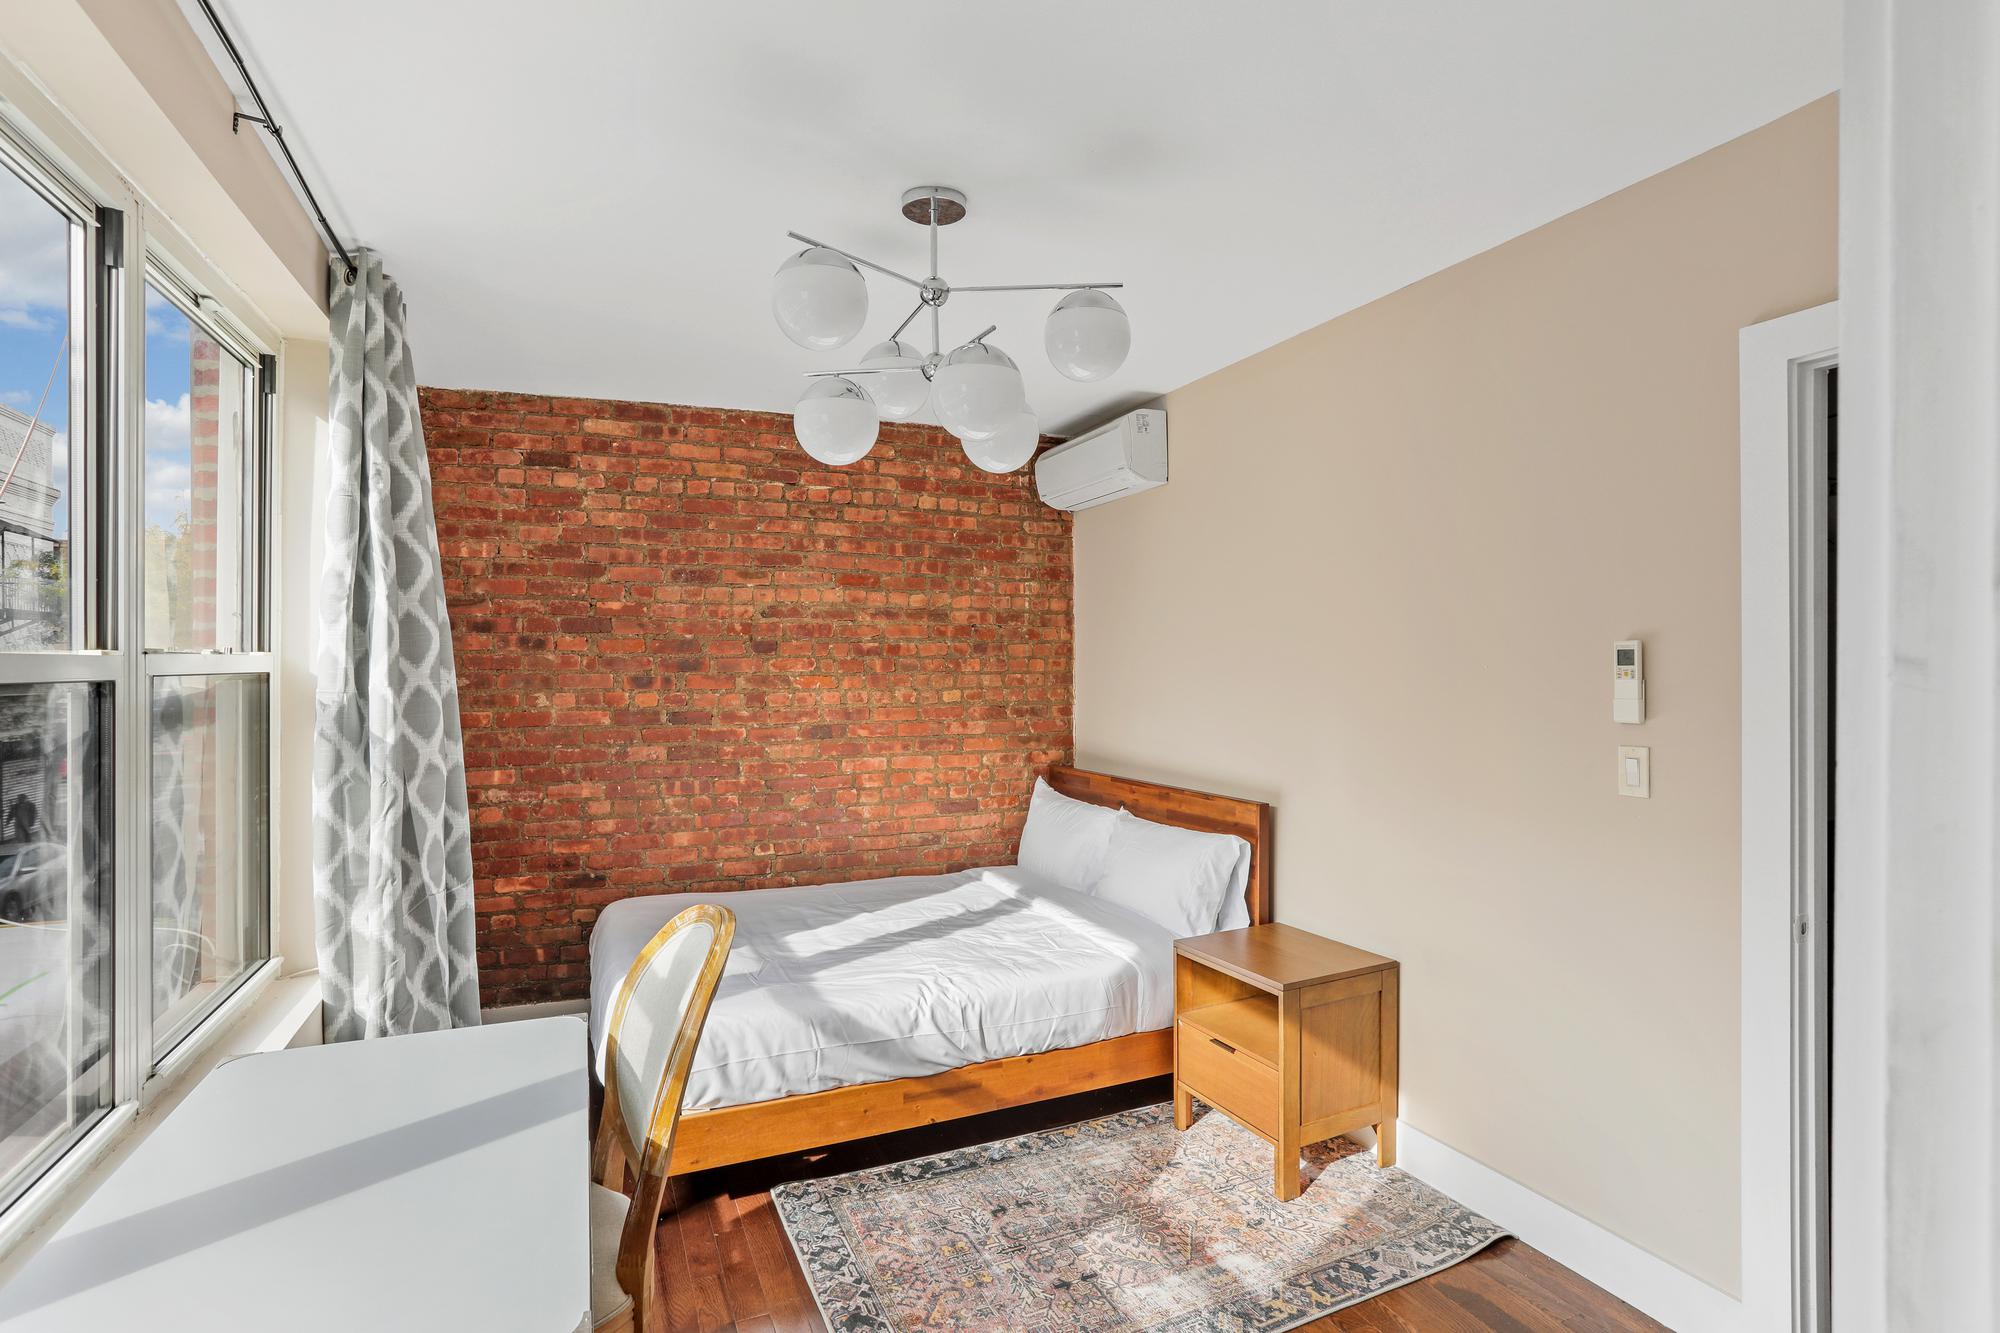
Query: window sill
{"type": "Point", "coordinates": [242, 1002]}
{"type": "Point", "coordinates": [265, 1013]}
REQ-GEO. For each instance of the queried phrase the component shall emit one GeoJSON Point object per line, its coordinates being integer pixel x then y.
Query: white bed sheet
{"type": "Point", "coordinates": [877, 979]}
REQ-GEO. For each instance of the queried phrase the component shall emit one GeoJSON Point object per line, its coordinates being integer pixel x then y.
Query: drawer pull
{"type": "Point", "coordinates": [1223, 1044]}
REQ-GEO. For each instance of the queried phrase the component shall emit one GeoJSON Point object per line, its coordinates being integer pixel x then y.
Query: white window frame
{"type": "Point", "coordinates": [206, 314]}
{"type": "Point", "coordinates": [90, 659]}
{"type": "Point", "coordinates": [107, 575]}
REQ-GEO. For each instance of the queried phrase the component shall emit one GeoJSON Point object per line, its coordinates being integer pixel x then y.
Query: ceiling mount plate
{"type": "Point", "coordinates": [917, 205]}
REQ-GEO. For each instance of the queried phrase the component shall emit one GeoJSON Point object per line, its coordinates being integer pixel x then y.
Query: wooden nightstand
{"type": "Point", "coordinates": [1290, 1034]}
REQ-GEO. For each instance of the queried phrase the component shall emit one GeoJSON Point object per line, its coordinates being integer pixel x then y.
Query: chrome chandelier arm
{"type": "Point", "coordinates": [858, 370]}
{"type": "Point", "coordinates": [857, 259]}
{"type": "Point", "coordinates": [906, 320]}
{"type": "Point", "coordinates": [1043, 287]}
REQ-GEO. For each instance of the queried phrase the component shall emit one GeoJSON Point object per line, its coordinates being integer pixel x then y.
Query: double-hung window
{"type": "Point", "coordinates": [207, 680]}
{"type": "Point", "coordinates": [134, 677]}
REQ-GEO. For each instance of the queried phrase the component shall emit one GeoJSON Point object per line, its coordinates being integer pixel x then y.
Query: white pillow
{"type": "Point", "coordinates": [1178, 878]}
{"type": "Point", "coordinates": [1235, 913]}
{"type": "Point", "coordinates": [1065, 838]}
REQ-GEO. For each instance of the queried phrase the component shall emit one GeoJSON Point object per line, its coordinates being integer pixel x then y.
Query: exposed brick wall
{"type": "Point", "coordinates": [690, 658]}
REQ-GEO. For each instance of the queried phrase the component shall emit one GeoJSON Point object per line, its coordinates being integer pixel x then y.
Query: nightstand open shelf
{"type": "Point", "coordinates": [1291, 1035]}
{"type": "Point", "coordinates": [1249, 1025]}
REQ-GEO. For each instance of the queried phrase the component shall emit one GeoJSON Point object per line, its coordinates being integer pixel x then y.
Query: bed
{"type": "Point", "coordinates": [865, 1007]}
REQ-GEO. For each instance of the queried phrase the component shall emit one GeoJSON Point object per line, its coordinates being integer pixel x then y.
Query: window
{"type": "Point", "coordinates": [134, 681]}
{"type": "Point", "coordinates": [42, 331]}
{"type": "Point", "coordinates": [207, 723]}
{"type": "Point", "coordinates": [201, 398]}
{"type": "Point", "coordinates": [209, 742]}
{"type": "Point", "coordinates": [56, 973]}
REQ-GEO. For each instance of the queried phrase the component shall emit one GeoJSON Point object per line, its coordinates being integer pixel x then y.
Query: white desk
{"type": "Point", "coordinates": [434, 1182]}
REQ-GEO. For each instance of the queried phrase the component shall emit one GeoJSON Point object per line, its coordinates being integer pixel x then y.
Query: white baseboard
{"type": "Point", "coordinates": [514, 1013]}
{"type": "Point", "coordinates": [1677, 1299]}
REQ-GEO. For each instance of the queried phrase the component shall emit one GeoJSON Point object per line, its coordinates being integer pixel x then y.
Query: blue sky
{"type": "Point", "coordinates": [34, 316]}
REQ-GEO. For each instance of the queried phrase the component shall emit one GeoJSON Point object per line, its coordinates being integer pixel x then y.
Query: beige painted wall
{"type": "Point", "coordinates": [1381, 591]}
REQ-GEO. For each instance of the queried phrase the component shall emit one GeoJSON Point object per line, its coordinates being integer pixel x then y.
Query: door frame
{"type": "Point", "coordinates": [1786, 993]}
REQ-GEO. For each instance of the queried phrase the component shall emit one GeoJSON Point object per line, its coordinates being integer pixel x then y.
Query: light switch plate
{"type": "Point", "coordinates": [1635, 770]}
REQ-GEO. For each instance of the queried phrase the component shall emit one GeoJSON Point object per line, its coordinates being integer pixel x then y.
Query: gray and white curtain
{"type": "Point", "coordinates": [392, 858]}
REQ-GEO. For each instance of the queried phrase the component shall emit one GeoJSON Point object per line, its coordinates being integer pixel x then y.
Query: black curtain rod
{"type": "Point", "coordinates": [263, 117]}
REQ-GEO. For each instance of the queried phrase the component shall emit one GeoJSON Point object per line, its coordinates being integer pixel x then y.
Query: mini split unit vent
{"type": "Point", "coordinates": [1122, 458]}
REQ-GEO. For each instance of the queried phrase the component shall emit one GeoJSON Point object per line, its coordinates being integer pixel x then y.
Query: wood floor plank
{"type": "Point", "coordinates": [677, 1303]}
{"type": "Point", "coordinates": [1564, 1295]}
{"type": "Point", "coordinates": [1481, 1303]}
{"type": "Point", "coordinates": [792, 1304]}
{"type": "Point", "coordinates": [741, 1284]}
{"type": "Point", "coordinates": [710, 1307]}
{"type": "Point", "coordinates": [1433, 1306]}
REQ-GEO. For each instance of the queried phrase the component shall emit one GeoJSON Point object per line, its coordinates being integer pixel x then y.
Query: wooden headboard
{"type": "Point", "coordinates": [1185, 808]}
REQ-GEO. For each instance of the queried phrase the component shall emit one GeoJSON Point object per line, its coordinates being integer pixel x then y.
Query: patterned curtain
{"type": "Point", "coordinates": [177, 923]}
{"type": "Point", "coordinates": [392, 859]}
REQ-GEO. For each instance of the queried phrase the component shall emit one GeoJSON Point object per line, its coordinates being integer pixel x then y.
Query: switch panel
{"type": "Point", "coordinates": [1635, 770]}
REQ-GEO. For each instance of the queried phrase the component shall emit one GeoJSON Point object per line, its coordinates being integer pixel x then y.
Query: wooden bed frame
{"type": "Point", "coordinates": [730, 1134]}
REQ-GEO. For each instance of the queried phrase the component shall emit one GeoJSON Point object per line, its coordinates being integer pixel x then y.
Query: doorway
{"type": "Point", "coordinates": [1816, 639]}
{"type": "Point", "coordinates": [1790, 506]}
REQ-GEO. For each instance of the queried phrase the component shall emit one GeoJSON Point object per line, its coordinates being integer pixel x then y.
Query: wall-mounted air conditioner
{"type": "Point", "coordinates": [1121, 458]}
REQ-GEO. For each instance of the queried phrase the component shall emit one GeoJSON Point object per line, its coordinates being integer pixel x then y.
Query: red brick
{"type": "Point", "coordinates": [691, 659]}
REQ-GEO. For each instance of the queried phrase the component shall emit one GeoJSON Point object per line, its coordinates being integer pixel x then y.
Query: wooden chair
{"type": "Point", "coordinates": [655, 1026]}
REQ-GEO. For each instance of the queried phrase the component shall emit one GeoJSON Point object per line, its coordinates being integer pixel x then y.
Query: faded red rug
{"type": "Point", "coordinates": [1117, 1224]}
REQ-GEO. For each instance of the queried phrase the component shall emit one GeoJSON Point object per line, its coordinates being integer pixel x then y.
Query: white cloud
{"type": "Point", "coordinates": [164, 319]}
{"type": "Point", "coordinates": [167, 425]}
{"type": "Point", "coordinates": [168, 479]}
{"type": "Point", "coordinates": [34, 258]}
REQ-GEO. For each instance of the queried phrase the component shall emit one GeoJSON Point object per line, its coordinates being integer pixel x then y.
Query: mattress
{"type": "Point", "coordinates": [893, 978]}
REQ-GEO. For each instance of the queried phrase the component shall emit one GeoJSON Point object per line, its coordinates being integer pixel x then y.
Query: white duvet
{"type": "Point", "coordinates": [892, 978]}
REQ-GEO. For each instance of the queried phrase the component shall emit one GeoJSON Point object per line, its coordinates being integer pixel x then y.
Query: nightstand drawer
{"type": "Point", "coordinates": [1228, 1078]}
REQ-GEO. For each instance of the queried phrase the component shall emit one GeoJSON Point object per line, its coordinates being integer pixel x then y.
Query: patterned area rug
{"type": "Point", "coordinates": [1117, 1224]}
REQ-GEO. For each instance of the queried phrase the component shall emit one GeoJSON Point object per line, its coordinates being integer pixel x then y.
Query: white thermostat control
{"type": "Point", "coordinates": [1628, 682]}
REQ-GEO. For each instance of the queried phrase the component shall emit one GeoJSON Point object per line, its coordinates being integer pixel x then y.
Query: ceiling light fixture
{"type": "Point", "coordinates": [820, 299]}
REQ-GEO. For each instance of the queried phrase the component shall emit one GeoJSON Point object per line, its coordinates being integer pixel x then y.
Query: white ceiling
{"type": "Point", "coordinates": [590, 199]}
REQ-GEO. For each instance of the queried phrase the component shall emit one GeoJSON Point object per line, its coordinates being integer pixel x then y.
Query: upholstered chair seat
{"type": "Point", "coordinates": [610, 1304]}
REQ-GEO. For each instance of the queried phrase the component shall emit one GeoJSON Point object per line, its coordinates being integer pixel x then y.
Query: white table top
{"type": "Point", "coordinates": [432, 1182]}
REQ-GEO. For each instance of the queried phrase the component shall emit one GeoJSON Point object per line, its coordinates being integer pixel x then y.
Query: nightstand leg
{"type": "Point", "coordinates": [1287, 1179]}
{"type": "Point", "coordinates": [1183, 1106]}
{"type": "Point", "coordinates": [1385, 1143]}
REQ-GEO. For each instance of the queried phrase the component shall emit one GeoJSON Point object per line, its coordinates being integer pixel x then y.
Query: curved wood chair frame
{"type": "Point", "coordinates": [616, 1144]}
{"type": "Point", "coordinates": [730, 1134]}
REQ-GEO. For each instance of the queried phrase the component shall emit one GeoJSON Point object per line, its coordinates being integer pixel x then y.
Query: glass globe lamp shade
{"type": "Point", "coordinates": [978, 390]}
{"type": "Point", "coordinates": [1087, 335]}
{"type": "Point", "coordinates": [835, 421]}
{"type": "Point", "coordinates": [819, 299]}
{"type": "Point", "coordinates": [1009, 447]}
{"type": "Point", "coordinates": [901, 390]}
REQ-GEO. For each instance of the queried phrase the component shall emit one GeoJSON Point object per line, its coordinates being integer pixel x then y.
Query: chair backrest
{"type": "Point", "coordinates": [655, 1026]}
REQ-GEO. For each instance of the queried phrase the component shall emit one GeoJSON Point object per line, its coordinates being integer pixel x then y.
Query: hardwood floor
{"type": "Point", "coordinates": [725, 1263]}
